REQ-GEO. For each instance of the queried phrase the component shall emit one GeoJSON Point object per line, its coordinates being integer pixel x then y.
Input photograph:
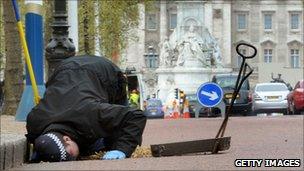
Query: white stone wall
{"type": "Point", "coordinates": [289, 75]}
{"type": "Point", "coordinates": [133, 55]}
{"type": "Point", "coordinates": [280, 38]}
{"type": "Point", "coordinates": [220, 17]}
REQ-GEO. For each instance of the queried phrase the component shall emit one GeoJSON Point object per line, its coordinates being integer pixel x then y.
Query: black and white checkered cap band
{"type": "Point", "coordinates": [59, 144]}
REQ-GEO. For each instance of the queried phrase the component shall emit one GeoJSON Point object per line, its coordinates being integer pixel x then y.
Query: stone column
{"type": "Point", "coordinates": [141, 35]}
{"type": "Point", "coordinates": [163, 20]}
{"type": "Point", "coordinates": [208, 19]}
{"type": "Point", "coordinates": [282, 49]}
{"type": "Point", "coordinates": [226, 50]}
{"type": "Point", "coordinates": [73, 22]}
{"type": "Point", "coordinates": [134, 53]}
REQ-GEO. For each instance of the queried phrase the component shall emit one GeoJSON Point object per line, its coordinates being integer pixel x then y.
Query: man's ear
{"type": "Point", "coordinates": [66, 138]}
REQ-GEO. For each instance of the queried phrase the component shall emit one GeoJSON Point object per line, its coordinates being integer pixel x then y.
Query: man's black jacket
{"type": "Point", "coordinates": [84, 99]}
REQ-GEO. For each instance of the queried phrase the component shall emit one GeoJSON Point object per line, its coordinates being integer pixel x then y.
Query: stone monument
{"type": "Point", "coordinates": [190, 56]}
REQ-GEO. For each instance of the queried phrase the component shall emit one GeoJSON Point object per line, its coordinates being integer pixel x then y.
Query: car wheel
{"type": "Point", "coordinates": [285, 112]}
{"type": "Point", "coordinates": [250, 112]}
{"type": "Point", "coordinates": [216, 112]}
{"type": "Point", "coordinates": [254, 112]}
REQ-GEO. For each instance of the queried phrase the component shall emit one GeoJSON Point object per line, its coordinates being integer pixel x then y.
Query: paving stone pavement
{"type": "Point", "coordinates": [262, 137]}
{"type": "Point", "coordinates": [13, 142]}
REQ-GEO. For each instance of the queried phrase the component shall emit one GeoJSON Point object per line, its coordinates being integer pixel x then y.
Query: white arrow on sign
{"type": "Point", "coordinates": [213, 95]}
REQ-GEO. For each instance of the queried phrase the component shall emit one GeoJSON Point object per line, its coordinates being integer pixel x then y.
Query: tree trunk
{"type": "Point", "coordinates": [48, 6]}
{"type": "Point", "coordinates": [1, 55]}
{"type": "Point", "coordinates": [13, 73]}
{"type": "Point", "coordinates": [86, 27]}
{"type": "Point", "coordinates": [1, 42]}
{"type": "Point", "coordinates": [86, 33]}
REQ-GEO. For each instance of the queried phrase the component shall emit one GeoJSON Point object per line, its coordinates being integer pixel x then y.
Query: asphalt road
{"type": "Point", "coordinates": [262, 137]}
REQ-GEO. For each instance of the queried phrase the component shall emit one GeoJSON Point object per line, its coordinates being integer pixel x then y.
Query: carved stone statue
{"type": "Point", "coordinates": [166, 54]}
{"type": "Point", "coordinates": [190, 50]}
{"type": "Point", "coordinates": [217, 57]}
{"type": "Point", "coordinates": [189, 47]}
{"type": "Point", "coordinates": [210, 48]}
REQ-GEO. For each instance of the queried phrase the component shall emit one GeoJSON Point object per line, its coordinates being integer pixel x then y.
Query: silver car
{"type": "Point", "coordinates": [270, 97]}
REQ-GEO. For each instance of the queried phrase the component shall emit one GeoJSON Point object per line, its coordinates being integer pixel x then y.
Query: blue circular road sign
{"type": "Point", "coordinates": [209, 94]}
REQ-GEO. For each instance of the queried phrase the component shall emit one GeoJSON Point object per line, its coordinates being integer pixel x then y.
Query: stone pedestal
{"type": "Point", "coordinates": [190, 48]}
{"type": "Point", "coordinates": [193, 63]}
{"type": "Point", "coordinates": [186, 79]}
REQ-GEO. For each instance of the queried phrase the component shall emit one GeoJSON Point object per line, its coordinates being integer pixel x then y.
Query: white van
{"type": "Point", "coordinates": [135, 83]}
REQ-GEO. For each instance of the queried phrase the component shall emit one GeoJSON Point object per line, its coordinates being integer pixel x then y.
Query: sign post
{"type": "Point", "coordinates": [209, 94]}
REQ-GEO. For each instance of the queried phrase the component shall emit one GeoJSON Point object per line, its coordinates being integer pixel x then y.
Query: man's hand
{"type": "Point", "coordinates": [97, 146]}
{"type": "Point", "coordinates": [114, 154]}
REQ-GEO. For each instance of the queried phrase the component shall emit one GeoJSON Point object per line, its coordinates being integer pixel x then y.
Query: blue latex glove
{"type": "Point", "coordinates": [114, 154]}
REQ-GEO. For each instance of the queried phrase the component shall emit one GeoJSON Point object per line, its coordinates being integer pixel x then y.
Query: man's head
{"type": "Point", "coordinates": [55, 147]}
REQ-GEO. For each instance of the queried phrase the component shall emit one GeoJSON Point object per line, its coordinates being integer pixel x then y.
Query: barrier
{"type": "Point", "coordinates": [168, 112]}
{"type": "Point", "coordinates": [176, 113]}
{"type": "Point", "coordinates": [186, 113]}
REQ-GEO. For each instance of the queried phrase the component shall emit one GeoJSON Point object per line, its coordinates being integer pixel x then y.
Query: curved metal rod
{"type": "Point", "coordinates": [249, 45]}
{"type": "Point", "coordinates": [239, 82]}
{"type": "Point", "coordinates": [236, 91]}
{"type": "Point", "coordinates": [233, 99]}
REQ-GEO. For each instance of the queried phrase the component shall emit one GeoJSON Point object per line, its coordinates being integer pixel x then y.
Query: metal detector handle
{"type": "Point", "coordinates": [243, 56]}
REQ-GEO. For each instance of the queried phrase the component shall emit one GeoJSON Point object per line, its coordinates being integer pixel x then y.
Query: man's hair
{"type": "Point", "coordinates": [50, 147]}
